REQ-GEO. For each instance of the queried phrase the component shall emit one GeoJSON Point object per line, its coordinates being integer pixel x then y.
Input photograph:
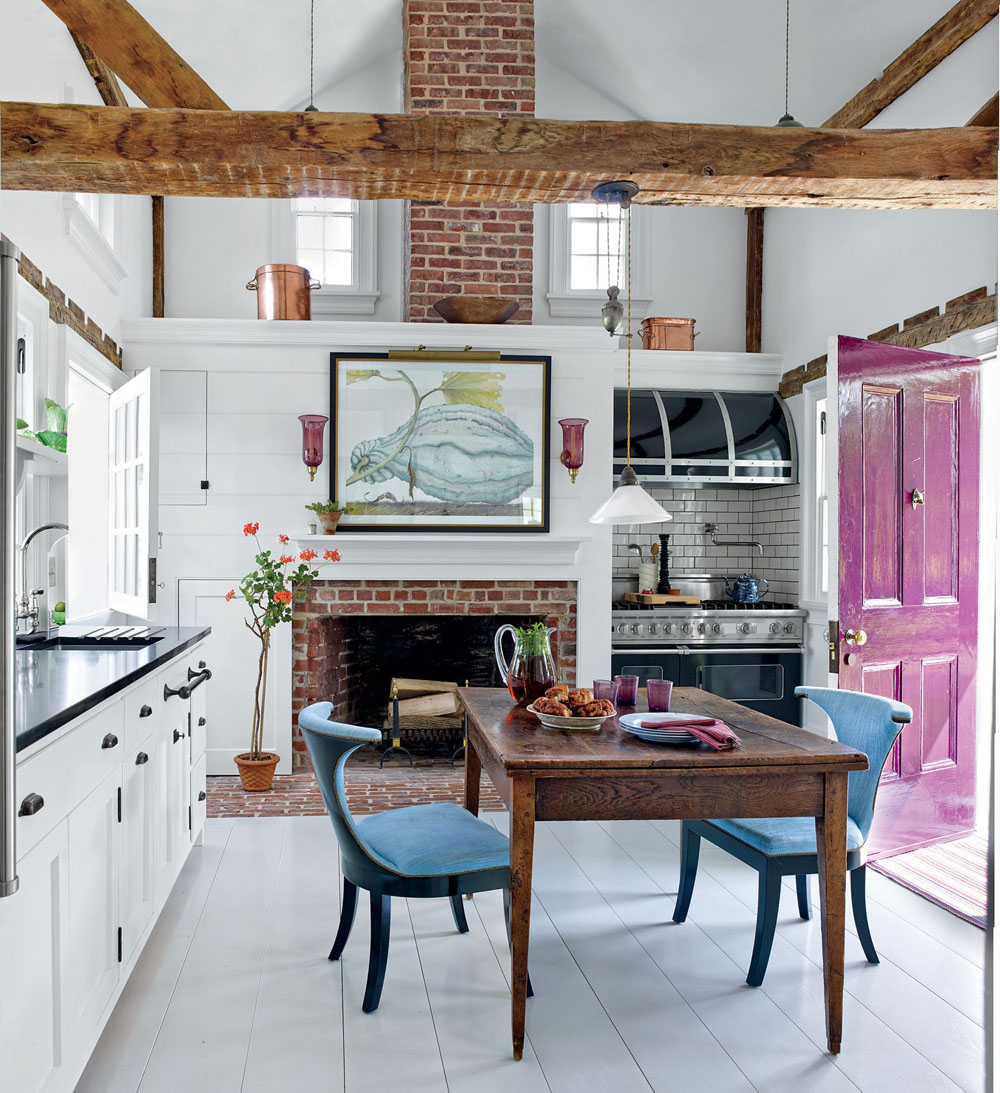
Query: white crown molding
{"type": "Point", "coordinates": [328, 303]}
{"type": "Point", "coordinates": [699, 370]}
{"type": "Point", "coordinates": [92, 245]}
{"type": "Point", "coordinates": [364, 335]}
{"type": "Point", "coordinates": [583, 305]}
{"type": "Point", "coordinates": [506, 556]}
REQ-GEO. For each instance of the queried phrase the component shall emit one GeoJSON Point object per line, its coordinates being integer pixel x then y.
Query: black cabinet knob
{"type": "Point", "coordinates": [201, 721]}
{"type": "Point", "coordinates": [110, 741]}
{"type": "Point", "coordinates": [141, 758]}
{"type": "Point", "coordinates": [146, 711]}
{"type": "Point", "coordinates": [178, 735]}
{"type": "Point", "coordinates": [202, 795]}
{"type": "Point", "coordinates": [31, 804]}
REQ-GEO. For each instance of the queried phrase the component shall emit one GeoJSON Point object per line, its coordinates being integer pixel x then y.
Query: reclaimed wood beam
{"type": "Point", "coordinates": [123, 40]}
{"type": "Point", "coordinates": [106, 81]}
{"type": "Point", "coordinates": [221, 153]}
{"type": "Point", "coordinates": [965, 312]}
{"type": "Point", "coordinates": [929, 50]}
{"type": "Point", "coordinates": [158, 254]}
{"type": "Point", "coordinates": [987, 114]}
{"type": "Point", "coordinates": [754, 279]}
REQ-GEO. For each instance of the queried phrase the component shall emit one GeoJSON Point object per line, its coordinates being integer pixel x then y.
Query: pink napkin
{"type": "Point", "coordinates": [717, 734]}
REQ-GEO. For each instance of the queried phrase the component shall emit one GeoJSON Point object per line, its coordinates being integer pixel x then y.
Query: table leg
{"type": "Point", "coordinates": [522, 847]}
{"type": "Point", "coordinates": [473, 775]}
{"type": "Point", "coordinates": [831, 851]}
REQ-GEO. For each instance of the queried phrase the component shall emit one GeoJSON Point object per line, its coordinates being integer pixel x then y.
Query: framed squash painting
{"type": "Point", "coordinates": [435, 443]}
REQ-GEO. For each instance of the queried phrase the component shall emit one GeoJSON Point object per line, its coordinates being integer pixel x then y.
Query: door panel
{"type": "Point", "coordinates": [908, 551]}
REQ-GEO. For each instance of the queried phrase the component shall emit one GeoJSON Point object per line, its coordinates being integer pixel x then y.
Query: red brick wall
{"type": "Point", "coordinates": [462, 57]}
{"type": "Point", "coordinates": [321, 669]}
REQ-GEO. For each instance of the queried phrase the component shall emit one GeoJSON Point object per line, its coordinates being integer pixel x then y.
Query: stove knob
{"type": "Point", "coordinates": [702, 628]}
{"type": "Point", "coordinates": [653, 628]}
{"type": "Point", "coordinates": [621, 628]}
{"type": "Point", "coordinates": [789, 627]}
{"type": "Point", "coordinates": [636, 628]}
{"type": "Point", "coordinates": [716, 628]}
{"type": "Point", "coordinates": [668, 628]}
{"type": "Point", "coordinates": [687, 628]}
{"type": "Point", "coordinates": [748, 628]}
{"type": "Point", "coordinates": [774, 628]}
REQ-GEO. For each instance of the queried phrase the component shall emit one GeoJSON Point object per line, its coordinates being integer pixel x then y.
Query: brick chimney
{"type": "Point", "coordinates": [468, 57]}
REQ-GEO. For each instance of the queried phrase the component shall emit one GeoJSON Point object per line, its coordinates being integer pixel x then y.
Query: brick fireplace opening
{"type": "Point", "coordinates": [346, 647]}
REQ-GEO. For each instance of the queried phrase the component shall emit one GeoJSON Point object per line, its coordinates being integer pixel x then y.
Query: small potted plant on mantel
{"type": "Point", "coordinates": [328, 513]}
{"type": "Point", "coordinates": [270, 589]}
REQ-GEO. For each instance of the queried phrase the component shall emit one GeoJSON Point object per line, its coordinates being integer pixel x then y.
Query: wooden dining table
{"type": "Point", "coordinates": [546, 774]}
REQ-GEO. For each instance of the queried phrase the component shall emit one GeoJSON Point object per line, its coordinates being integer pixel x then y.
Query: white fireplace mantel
{"type": "Point", "coordinates": [460, 554]}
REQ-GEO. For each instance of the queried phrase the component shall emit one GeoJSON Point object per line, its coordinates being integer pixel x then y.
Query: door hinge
{"type": "Point", "coordinates": [119, 944]}
{"type": "Point", "coordinates": [119, 804]}
{"type": "Point", "coordinates": [151, 598]}
{"type": "Point", "coordinates": [190, 821]}
{"type": "Point", "coordinates": [833, 645]}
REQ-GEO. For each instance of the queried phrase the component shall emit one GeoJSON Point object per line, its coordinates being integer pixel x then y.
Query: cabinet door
{"type": "Point", "coordinates": [171, 802]}
{"type": "Point", "coordinates": [136, 886]}
{"type": "Point", "coordinates": [92, 958]}
{"type": "Point", "coordinates": [199, 797]}
{"type": "Point", "coordinates": [199, 710]}
{"type": "Point", "coordinates": [32, 943]}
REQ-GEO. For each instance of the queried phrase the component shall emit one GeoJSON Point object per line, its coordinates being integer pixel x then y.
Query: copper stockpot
{"type": "Point", "coordinates": [282, 291]}
{"type": "Point", "coordinates": [664, 333]}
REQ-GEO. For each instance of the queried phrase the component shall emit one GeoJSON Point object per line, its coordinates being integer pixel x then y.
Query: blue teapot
{"type": "Point", "coordinates": [746, 589]}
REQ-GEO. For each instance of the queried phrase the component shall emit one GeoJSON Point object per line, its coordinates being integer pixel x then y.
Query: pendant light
{"type": "Point", "coordinates": [612, 312]}
{"type": "Point", "coordinates": [312, 107]}
{"type": "Point", "coordinates": [786, 121]}
{"type": "Point", "coordinates": [630, 503]}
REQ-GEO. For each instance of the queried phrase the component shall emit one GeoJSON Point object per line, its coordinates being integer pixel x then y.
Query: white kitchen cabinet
{"type": "Point", "coordinates": [171, 829]}
{"type": "Point", "coordinates": [138, 823]}
{"type": "Point", "coordinates": [91, 966]}
{"type": "Point", "coordinates": [33, 927]}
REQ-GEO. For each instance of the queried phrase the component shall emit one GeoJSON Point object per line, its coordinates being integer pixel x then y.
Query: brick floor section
{"type": "Point", "coordinates": [369, 789]}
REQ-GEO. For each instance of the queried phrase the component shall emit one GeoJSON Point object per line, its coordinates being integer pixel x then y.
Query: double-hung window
{"type": "Point", "coordinates": [94, 223]}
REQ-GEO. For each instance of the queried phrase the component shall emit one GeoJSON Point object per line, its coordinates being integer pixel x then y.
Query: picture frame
{"type": "Point", "coordinates": [450, 441]}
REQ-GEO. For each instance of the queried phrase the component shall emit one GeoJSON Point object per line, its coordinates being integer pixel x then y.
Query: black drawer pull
{"type": "Point", "coordinates": [110, 741]}
{"type": "Point", "coordinates": [31, 804]}
{"type": "Point", "coordinates": [201, 722]}
{"type": "Point", "coordinates": [178, 735]}
{"type": "Point", "coordinates": [146, 711]}
{"type": "Point", "coordinates": [202, 795]}
{"type": "Point", "coordinates": [141, 758]}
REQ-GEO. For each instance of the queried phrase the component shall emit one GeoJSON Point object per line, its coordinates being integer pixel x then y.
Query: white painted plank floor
{"type": "Point", "coordinates": [234, 993]}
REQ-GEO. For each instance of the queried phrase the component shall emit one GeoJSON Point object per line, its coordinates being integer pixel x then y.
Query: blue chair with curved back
{"type": "Point", "coordinates": [786, 846]}
{"type": "Point", "coordinates": [420, 851]}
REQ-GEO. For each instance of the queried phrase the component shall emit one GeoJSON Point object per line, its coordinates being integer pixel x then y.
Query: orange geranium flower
{"type": "Point", "coordinates": [282, 538]}
{"type": "Point", "coordinates": [308, 555]}
{"type": "Point", "coordinates": [286, 558]}
{"type": "Point", "coordinates": [284, 596]}
{"type": "Point", "coordinates": [230, 594]}
{"type": "Point", "coordinates": [250, 529]}
{"type": "Point", "coordinates": [331, 555]}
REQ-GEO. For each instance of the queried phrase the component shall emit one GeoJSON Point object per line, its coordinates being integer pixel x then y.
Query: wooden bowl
{"type": "Point", "coordinates": [476, 309]}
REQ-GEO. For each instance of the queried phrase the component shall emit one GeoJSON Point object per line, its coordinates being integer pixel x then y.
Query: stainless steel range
{"type": "Point", "coordinates": [751, 653]}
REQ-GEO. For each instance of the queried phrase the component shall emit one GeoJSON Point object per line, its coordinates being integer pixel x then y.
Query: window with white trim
{"type": "Point", "coordinates": [334, 238]}
{"type": "Point", "coordinates": [588, 254]}
{"type": "Point", "coordinates": [94, 224]}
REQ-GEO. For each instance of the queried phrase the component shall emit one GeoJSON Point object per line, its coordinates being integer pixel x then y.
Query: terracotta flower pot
{"type": "Point", "coordinates": [257, 775]}
{"type": "Point", "coordinates": [328, 521]}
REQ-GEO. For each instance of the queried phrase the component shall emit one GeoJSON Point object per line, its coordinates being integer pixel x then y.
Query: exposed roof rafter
{"type": "Point", "coordinates": [987, 114]}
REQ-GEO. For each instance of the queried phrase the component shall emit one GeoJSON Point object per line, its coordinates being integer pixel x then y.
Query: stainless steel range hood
{"type": "Point", "coordinates": [735, 438]}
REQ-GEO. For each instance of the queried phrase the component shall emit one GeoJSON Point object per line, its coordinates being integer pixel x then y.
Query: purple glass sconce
{"type": "Point", "coordinates": [572, 450]}
{"type": "Point", "coordinates": [312, 441]}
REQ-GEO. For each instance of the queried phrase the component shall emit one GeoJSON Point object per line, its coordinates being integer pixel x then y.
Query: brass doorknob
{"type": "Point", "coordinates": [917, 497]}
{"type": "Point", "coordinates": [855, 637]}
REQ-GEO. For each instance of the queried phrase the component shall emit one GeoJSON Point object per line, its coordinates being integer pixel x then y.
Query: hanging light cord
{"type": "Point", "coordinates": [628, 340]}
{"type": "Point", "coordinates": [787, 7]}
{"type": "Point", "coordinates": [312, 15]}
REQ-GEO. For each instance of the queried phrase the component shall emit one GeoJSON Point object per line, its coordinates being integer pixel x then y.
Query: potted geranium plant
{"type": "Point", "coordinates": [328, 513]}
{"type": "Point", "coordinates": [270, 589]}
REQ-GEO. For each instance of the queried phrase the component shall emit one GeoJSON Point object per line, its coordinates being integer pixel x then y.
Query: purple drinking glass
{"type": "Point", "coordinates": [606, 688]}
{"type": "Point", "coordinates": [628, 689]}
{"type": "Point", "coordinates": [658, 694]}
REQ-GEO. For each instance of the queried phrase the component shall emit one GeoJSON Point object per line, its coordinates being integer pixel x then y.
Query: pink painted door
{"type": "Point", "coordinates": [909, 551]}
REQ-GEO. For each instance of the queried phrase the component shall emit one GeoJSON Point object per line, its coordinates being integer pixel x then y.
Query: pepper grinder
{"type": "Point", "coordinates": [663, 584]}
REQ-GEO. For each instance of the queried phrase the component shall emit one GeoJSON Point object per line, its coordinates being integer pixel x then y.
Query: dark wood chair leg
{"type": "Point", "coordinates": [379, 951]}
{"type": "Point", "coordinates": [690, 849]}
{"type": "Point", "coordinates": [459, 913]}
{"type": "Point", "coordinates": [860, 907]}
{"type": "Point", "coordinates": [350, 905]}
{"type": "Point", "coordinates": [506, 920]}
{"type": "Point", "coordinates": [768, 895]}
{"type": "Point", "coordinates": [802, 891]}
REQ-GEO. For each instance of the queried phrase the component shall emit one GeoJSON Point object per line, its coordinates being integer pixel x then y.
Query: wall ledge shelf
{"type": "Point", "coordinates": [513, 551]}
{"type": "Point", "coordinates": [42, 461]}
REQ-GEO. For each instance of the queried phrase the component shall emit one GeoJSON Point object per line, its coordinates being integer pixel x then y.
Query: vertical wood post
{"type": "Point", "coordinates": [158, 286]}
{"type": "Point", "coordinates": [755, 278]}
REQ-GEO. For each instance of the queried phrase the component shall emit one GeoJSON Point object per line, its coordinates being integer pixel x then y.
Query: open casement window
{"type": "Point", "coordinates": [133, 447]}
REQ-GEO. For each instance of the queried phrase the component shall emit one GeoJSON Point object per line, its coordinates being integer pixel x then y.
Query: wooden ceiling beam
{"type": "Point", "coordinates": [929, 50]}
{"type": "Point", "coordinates": [107, 83]}
{"type": "Point", "coordinates": [987, 114]}
{"type": "Point", "coordinates": [471, 158]}
{"type": "Point", "coordinates": [116, 33]}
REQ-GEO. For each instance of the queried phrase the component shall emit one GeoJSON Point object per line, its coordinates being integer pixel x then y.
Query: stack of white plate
{"type": "Point", "coordinates": [662, 733]}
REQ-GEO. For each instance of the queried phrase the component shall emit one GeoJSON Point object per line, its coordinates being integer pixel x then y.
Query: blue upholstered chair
{"type": "Point", "coordinates": [786, 846]}
{"type": "Point", "coordinates": [425, 850]}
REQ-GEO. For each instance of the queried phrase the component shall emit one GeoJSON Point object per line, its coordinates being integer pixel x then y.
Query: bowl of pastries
{"type": "Point", "coordinates": [574, 708]}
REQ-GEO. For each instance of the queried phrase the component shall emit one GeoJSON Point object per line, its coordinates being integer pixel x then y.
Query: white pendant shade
{"type": "Point", "coordinates": [630, 505]}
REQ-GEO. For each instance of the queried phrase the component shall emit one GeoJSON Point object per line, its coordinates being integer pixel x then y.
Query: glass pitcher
{"type": "Point", "coordinates": [531, 671]}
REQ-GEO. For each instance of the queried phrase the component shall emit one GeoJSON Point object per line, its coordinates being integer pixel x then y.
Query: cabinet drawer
{"type": "Point", "coordinates": [66, 772]}
{"type": "Point", "coordinates": [143, 709]}
{"type": "Point", "coordinates": [199, 796]}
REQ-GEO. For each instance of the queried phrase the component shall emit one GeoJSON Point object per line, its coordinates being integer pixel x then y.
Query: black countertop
{"type": "Point", "coordinates": [56, 685]}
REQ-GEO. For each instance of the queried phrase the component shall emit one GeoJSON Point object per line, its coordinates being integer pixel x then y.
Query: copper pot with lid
{"type": "Point", "coordinates": [661, 332]}
{"type": "Point", "coordinates": [282, 291]}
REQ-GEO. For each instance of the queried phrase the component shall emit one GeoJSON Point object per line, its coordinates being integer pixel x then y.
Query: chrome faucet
{"type": "Point", "coordinates": [27, 604]}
